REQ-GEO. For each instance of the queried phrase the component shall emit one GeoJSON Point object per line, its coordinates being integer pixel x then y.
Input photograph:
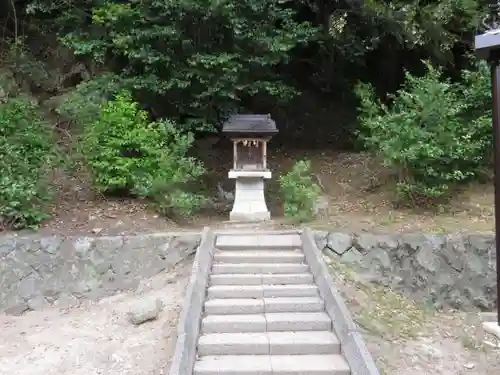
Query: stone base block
{"type": "Point", "coordinates": [249, 201]}
{"type": "Point", "coordinates": [250, 216]}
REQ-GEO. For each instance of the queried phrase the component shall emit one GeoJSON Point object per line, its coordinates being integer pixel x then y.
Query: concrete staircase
{"type": "Point", "coordinates": [263, 314]}
{"type": "Point", "coordinates": [265, 303]}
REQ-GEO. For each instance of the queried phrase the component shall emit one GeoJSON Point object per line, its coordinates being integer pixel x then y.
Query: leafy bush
{"type": "Point", "coordinates": [299, 191]}
{"type": "Point", "coordinates": [83, 104]}
{"type": "Point", "coordinates": [127, 154]}
{"type": "Point", "coordinates": [26, 156]}
{"type": "Point", "coordinates": [178, 202]}
{"type": "Point", "coordinates": [435, 132]}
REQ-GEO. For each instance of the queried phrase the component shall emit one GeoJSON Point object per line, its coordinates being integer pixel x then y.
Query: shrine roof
{"type": "Point", "coordinates": [250, 124]}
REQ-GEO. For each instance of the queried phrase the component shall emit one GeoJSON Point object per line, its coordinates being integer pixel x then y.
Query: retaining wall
{"type": "Point", "coordinates": [457, 271]}
{"type": "Point", "coordinates": [39, 271]}
{"type": "Point", "coordinates": [443, 270]}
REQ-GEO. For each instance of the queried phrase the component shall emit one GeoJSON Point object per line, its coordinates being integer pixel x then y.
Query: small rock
{"type": "Point", "coordinates": [82, 245]}
{"type": "Point", "coordinates": [469, 366]}
{"type": "Point", "coordinates": [223, 194]}
{"type": "Point", "coordinates": [17, 309]}
{"type": "Point", "coordinates": [97, 230]}
{"type": "Point", "coordinates": [339, 243]}
{"type": "Point", "coordinates": [170, 279]}
{"type": "Point", "coordinates": [66, 300]}
{"type": "Point", "coordinates": [27, 288]}
{"type": "Point", "coordinates": [427, 258]}
{"type": "Point", "coordinates": [321, 206]}
{"type": "Point", "coordinates": [145, 310]}
{"type": "Point", "coordinates": [37, 303]}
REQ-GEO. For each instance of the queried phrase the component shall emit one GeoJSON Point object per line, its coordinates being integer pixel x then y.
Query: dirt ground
{"type": "Point", "coordinates": [407, 338]}
{"type": "Point", "coordinates": [96, 338]}
{"type": "Point", "coordinates": [358, 189]}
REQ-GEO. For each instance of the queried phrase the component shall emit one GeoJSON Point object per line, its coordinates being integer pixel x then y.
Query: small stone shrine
{"type": "Point", "coordinates": [249, 134]}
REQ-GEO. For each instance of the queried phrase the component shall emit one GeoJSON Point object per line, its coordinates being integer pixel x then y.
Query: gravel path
{"type": "Point", "coordinates": [96, 338]}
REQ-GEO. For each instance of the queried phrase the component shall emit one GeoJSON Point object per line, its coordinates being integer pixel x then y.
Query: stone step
{"type": "Point", "coordinates": [287, 321]}
{"type": "Point", "coordinates": [302, 342]}
{"type": "Point", "coordinates": [295, 304]}
{"type": "Point", "coordinates": [221, 268]}
{"type": "Point", "coordinates": [233, 323]}
{"type": "Point", "coordinates": [221, 306]}
{"type": "Point", "coordinates": [259, 306]}
{"type": "Point", "coordinates": [306, 290]}
{"type": "Point", "coordinates": [259, 279]}
{"type": "Point", "coordinates": [298, 321]}
{"type": "Point", "coordinates": [261, 291]}
{"type": "Point", "coordinates": [233, 343]}
{"type": "Point", "coordinates": [259, 256]}
{"type": "Point", "coordinates": [333, 364]}
{"type": "Point", "coordinates": [252, 241]}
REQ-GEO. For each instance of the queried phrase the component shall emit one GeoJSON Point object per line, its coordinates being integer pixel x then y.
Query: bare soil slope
{"type": "Point", "coordinates": [406, 338]}
{"type": "Point", "coordinates": [359, 191]}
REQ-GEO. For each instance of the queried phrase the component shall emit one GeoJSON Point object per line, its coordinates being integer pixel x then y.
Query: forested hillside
{"type": "Point", "coordinates": [120, 101]}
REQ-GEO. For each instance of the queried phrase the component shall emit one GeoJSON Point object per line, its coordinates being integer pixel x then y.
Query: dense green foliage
{"type": "Point", "coordinates": [200, 59]}
{"type": "Point", "coordinates": [83, 104]}
{"type": "Point", "coordinates": [191, 63]}
{"type": "Point", "coordinates": [128, 154]}
{"type": "Point", "coordinates": [195, 61]}
{"type": "Point", "coordinates": [437, 133]}
{"type": "Point", "coordinates": [27, 155]}
{"type": "Point", "coordinates": [300, 192]}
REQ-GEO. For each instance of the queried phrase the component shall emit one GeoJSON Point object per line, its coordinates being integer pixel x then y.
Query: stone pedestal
{"type": "Point", "coordinates": [249, 200]}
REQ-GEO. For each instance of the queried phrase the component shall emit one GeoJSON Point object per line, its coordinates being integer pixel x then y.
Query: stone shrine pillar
{"type": "Point", "coordinates": [249, 134]}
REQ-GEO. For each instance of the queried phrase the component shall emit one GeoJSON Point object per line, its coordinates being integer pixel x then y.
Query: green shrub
{"type": "Point", "coordinates": [128, 154]}
{"type": "Point", "coordinates": [436, 133]}
{"type": "Point", "coordinates": [26, 157]}
{"type": "Point", "coordinates": [83, 104]}
{"type": "Point", "coordinates": [178, 202]}
{"type": "Point", "coordinates": [299, 191]}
